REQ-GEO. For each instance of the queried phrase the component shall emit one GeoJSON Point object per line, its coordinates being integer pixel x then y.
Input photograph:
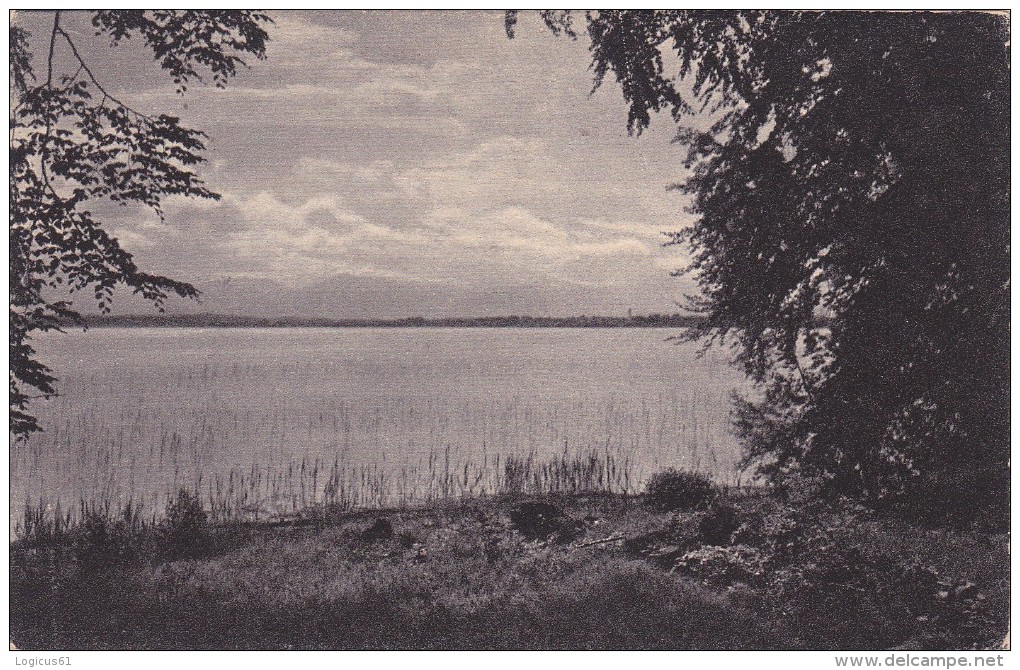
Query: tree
{"type": "Point", "coordinates": [74, 144]}
{"type": "Point", "coordinates": [852, 231]}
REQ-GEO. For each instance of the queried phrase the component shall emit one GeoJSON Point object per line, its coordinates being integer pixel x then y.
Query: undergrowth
{"type": "Point", "coordinates": [557, 571]}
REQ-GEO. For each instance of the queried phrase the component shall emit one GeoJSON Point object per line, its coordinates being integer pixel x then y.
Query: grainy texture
{"type": "Point", "coordinates": [426, 376]}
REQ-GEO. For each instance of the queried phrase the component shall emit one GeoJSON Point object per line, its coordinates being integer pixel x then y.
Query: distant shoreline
{"type": "Point", "coordinates": [230, 321]}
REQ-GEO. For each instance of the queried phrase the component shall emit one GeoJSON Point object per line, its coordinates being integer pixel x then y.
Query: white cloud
{"type": "Point", "coordinates": [310, 239]}
{"type": "Point", "coordinates": [476, 162]}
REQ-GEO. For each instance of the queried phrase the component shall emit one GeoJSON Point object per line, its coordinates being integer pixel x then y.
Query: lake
{"type": "Point", "coordinates": [261, 421]}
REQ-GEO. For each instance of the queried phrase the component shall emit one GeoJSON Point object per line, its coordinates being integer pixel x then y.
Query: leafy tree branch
{"type": "Point", "coordinates": [850, 178]}
{"type": "Point", "coordinates": [73, 144]}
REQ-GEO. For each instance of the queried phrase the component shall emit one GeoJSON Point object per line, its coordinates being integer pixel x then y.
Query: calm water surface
{"type": "Point", "coordinates": [143, 411]}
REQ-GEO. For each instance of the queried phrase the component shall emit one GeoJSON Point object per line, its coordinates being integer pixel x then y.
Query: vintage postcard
{"type": "Point", "coordinates": [510, 330]}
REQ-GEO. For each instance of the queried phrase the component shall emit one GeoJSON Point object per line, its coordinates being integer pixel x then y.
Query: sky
{"type": "Point", "coordinates": [390, 164]}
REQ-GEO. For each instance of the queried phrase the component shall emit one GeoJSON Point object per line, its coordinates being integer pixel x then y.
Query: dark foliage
{"type": "Point", "coordinates": [799, 575]}
{"type": "Point", "coordinates": [960, 495]}
{"type": "Point", "coordinates": [856, 168]}
{"type": "Point", "coordinates": [673, 490]}
{"type": "Point", "coordinates": [846, 599]}
{"type": "Point", "coordinates": [719, 523]}
{"type": "Point", "coordinates": [542, 520]}
{"type": "Point", "coordinates": [183, 532]}
{"type": "Point", "coordinates": [820, 577]}
{"type": "Point", "coordinates": [808, 564]}
{"type": "Point", "coordinates": [381, 529]}
{"type": "Point", "coordinates": [103, 543]}
{"type": "Point", "coordinates": [74, 145]}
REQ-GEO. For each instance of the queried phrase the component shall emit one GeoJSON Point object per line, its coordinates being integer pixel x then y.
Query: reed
{"type": "Point", "coordinates": [311, 489]}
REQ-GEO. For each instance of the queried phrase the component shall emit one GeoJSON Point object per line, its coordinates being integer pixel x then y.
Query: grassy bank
{"type": "Point", "coordinates": [508, 572]}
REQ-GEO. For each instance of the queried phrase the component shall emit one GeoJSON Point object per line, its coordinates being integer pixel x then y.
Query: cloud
{"type": "Point", "coordinates": [305, 241]}
{"type": "Point", "coordinates": [424, 153]}
{"type": "Point", "coordinates": [516, 231]}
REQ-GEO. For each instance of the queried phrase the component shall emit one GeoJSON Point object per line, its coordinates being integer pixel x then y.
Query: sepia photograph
{"type": "Point", "coordinates": [486, 330]}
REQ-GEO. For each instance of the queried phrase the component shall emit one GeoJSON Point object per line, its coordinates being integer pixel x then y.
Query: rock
{"type": "Point", "coordinates": [662, 546]}
{"type": "Point", "coordinates": [541, 520]}
{"type": "Point", "coordinates": [667, 556]}
{"type": "Point", "coordinates": [645, 542]}
{"type": "Point", "coordinates": [382, 529]}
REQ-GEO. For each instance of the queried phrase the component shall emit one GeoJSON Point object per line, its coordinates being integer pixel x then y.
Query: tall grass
{"type": "Point", "coordinates": [311, 489]}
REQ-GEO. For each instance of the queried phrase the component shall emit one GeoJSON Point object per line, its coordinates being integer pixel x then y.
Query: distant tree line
{"type": "Point", "coordinates": [237, 321]}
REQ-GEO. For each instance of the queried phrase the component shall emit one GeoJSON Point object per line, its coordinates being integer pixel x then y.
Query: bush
{"type": "Point", "coordinates": [679, 490]}
{"type": "Point", "coordinates": [101, 543]}
{"type": "Point", "coordinates": [817, 577]}
{"type": "Point", "coordinates": [796, 523]}
{"type": "Point", "coordinates": [542, 520]}
{"type": "Point", "coordinates": [718, 524]}
{"type": "Point", "coordinates": [807, 568]}
{"type": "Point", "coordinates": [839, 597]}
{"type": "Point", "coordinates": [974, 495]}
{"type": "Point", "coordinates": [182, 532]}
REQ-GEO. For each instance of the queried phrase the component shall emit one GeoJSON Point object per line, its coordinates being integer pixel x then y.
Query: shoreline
{"type": "Point", "coordinates": [233, 321]}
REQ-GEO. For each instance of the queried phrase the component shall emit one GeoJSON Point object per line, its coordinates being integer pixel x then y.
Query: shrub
{"type": "Point", "coordinates": [183, 531]}
{"type": "Point", "coordinates": [679, 490]}
{"type": "Point", "coordinates": [101, 542]}
{"type": "Point", "coordinates": [380, 530]}
{"type": "Point", "coordinates": [961, 497]}
{"type": "Point", "coordinates": [812, 572]}
{"type": "Point", "coordinates": [797, 523]}
{"type": "Point", "coordinates": [541, 520]}
{"type": "Point", "coordinates": [840, 597]}
{"type": "Point", "coordinates": [719, 523]}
